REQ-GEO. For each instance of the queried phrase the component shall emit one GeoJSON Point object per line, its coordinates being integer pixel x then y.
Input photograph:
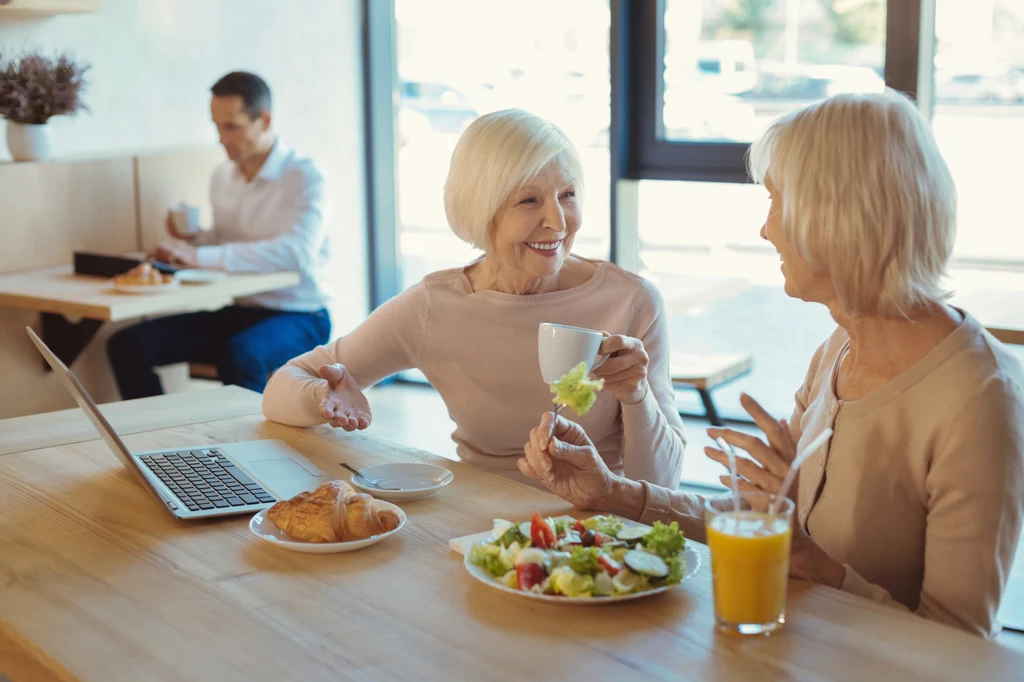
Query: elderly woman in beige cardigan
{"type": "Point", "coordinates": [917, 499]}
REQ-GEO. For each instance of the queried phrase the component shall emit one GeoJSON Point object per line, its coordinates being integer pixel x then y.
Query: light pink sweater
{"type": "Point", "coordinates": [479, 350]}
{"type": "Point", "coordinates": [920, 491]}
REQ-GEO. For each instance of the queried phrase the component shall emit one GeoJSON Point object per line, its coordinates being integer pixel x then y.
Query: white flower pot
{"type": "Point", "coordinates": [28, 142]}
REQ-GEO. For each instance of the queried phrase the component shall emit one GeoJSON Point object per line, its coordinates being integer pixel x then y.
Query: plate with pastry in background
{"type": "Point", "coordinates": [144, 279]}
{"type": "Point", "coordinates": [332, 518]}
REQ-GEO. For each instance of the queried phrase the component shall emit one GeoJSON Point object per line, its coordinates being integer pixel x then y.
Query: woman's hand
{"type": "Point", "coordinates": [561, 456]}
{"type": "Point", "coordinates": [625, 370]}
{"type": "Point", "coordinates": [771, 460]}
{"type": "Point", "coordinates": [344, 406]}
{"type": "Point", "coordinates": [764, 473]}
{"type": "Point", "coordinates": [808, 561]}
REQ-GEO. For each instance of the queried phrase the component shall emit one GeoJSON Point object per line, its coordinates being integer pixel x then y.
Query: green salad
{"type": "Point", "coordinates": [575, 390]}
{"type": "Point", "coordinates": [595, 557]}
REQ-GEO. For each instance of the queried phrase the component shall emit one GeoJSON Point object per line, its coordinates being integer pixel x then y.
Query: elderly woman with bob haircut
{"type": "Point", "coordinates": [514, 190]}
{"type": "Point", "coordinates": [916, 500]}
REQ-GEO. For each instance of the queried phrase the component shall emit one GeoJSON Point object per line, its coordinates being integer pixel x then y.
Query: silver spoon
{"type": "Point", "coordinates": [372, 482]}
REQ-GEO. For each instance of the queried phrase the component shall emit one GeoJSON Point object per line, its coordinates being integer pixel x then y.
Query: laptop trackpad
{"type": "Point", "coordinates": [277, 469]}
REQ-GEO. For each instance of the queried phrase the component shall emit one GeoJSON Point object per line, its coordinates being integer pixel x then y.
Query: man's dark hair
{"type": "Point", "coordinates": [253, 90]}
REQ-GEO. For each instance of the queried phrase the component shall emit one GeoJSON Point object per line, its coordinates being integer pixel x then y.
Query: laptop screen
{"type": "Point", "coordinates": [85, 401]}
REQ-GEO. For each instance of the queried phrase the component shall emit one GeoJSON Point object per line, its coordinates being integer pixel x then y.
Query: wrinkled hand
{"type": "Point", "coordinates": [764, 473]}
{"type": "Point", "coordinates": [561, 456]}
{"type": "Point", "coordinates": [174, 252]}
{"type": "Point", "coordinates": [625, 370]}
{"type": "Point", "coordinates": [771, 460]}
{"type": "Point", "coordinates": [808, 561]}
{"type": "Point", "coordinates": [344, 406]}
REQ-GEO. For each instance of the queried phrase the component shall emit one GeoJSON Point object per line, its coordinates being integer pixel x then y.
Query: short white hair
{"type": "Point", "coordinates": [496, 156]}
{"type": "Point", "coordinates": [866, 196]}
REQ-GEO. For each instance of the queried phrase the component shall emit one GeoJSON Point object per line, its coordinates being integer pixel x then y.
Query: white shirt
{"type": "Point", "coordinates": [274, 223]}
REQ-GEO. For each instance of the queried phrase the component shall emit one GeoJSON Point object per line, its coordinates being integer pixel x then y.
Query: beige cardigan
{"type": "Point", "coordinates": [920, 491]}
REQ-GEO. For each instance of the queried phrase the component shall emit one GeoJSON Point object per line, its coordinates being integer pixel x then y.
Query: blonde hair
{"type": "Point", "coordinates": [866, 196]}
{"type": "Point", "coordinates": [496, 156]}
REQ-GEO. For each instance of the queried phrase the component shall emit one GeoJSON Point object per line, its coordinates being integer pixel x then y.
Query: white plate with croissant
{"type": "Point", "coordinates": [143, 279]}
{"type": "Point", "coordinates": [332, 518]}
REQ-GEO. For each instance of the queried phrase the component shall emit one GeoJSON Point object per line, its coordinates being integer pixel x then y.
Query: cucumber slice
{"type": "Point", "coordinates": [630, 533]}
{"type": "Point", "coordinates": [524, 528]}
{"type": "Point", "coordinates": [646, 563]}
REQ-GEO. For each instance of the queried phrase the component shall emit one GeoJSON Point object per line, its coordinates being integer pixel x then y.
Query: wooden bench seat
{"type": "Point", "coordinates": [704, 373]}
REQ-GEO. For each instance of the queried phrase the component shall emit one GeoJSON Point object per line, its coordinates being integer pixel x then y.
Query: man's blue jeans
{"type": "Point", "coordinates": [246, 344]}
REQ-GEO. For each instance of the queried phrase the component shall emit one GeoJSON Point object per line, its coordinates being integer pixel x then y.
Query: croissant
{"type": "Point", "coordinates": [334, 512]}
{"type": "Point", "coordinates": [143, 274]}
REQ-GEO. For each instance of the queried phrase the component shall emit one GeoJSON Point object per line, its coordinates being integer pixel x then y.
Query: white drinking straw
{"type": "Point", "coordinates": [800, 458]}
{"type": "Point", "coordinates": [733, 478]}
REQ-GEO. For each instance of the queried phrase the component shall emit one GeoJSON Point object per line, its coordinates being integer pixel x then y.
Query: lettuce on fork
{"type": "Point", "coordinates": [577, 391]}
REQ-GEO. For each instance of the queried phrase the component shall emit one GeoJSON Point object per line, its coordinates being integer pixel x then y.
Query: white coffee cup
{"type": "Point", "coordinates": [186, 218]}
{"type": "Point", "coordinates": [561, 347]}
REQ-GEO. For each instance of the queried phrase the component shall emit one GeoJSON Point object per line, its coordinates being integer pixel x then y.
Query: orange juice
{"type": "Point", "coordinates": [749, 565]}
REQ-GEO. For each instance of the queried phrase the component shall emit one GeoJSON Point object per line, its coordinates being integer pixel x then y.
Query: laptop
{"type": "Point", "coordinates": [198, 482]}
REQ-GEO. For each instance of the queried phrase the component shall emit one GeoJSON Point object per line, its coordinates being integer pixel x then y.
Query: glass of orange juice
{"type": "Point", "coordinates": [749, 561]}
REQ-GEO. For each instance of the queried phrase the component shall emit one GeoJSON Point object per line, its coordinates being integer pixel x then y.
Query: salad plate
{"type": "Point", "coordinates": [600, 560]}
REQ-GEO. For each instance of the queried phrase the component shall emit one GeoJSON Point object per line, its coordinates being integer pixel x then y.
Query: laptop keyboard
{"type": "Point", "coordinates": [206, 479]}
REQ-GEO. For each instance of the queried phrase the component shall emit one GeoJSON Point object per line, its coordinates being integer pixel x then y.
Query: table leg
{"type": "Point", "coordinates": [67, 339]}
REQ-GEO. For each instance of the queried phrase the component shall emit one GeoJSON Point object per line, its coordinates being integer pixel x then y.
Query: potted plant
{"type": "Point", "coordinates": [33, 89]}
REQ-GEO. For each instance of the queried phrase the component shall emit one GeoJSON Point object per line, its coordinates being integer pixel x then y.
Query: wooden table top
{"type": "Point", "coordinates": [98, 582]}
{"type": "Point", "coordinates": [63, 427]}
{"type": "Point", "coordinates": [57, 289]}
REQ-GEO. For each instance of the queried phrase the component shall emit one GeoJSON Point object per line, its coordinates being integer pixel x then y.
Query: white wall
{"type": "Point", "coordinates": [153, 62]}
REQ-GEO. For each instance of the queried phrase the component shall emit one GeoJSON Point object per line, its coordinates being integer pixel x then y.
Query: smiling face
{"type": "Point", "coordinates": [533, 231]}
{"type": "Point", "coordinates": [801, 279]}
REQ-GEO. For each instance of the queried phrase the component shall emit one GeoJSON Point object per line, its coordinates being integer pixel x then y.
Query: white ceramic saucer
{"type": "Point", "coordinates": [410, 481]}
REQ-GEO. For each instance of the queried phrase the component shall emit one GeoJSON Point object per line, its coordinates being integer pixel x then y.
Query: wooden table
{"type": "Point", "coordinates": [98, 582]}
{"type": "Point", "coordinates": [58, 290]}
{"type": "Point", "coordinates": [72, 307]}
{"type": "Point", "coordinates": [1000, 311]}
{"type": "Point", "coordinates": [127, 416]}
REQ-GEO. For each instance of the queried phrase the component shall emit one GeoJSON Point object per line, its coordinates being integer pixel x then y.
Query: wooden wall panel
{"type": "Point", "coordinates": [48, 210]}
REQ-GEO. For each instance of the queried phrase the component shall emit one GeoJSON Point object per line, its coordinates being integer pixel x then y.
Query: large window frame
{"type": "Point", "coordinates": [638, 150]}
{"type": "Point", "coordinates": [650, 156]}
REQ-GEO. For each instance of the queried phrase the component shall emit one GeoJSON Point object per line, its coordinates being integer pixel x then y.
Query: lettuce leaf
{"type": "Point", "coordinates": [584, 560]}
{"type": "Point", "coordinates": [604, 524]}
{"type": "Point", "coordinates": [571, 584]}
{"type": "Point", "coordinates": [676, 567]}
{"type": "Point", "coordinates": [491, 558]}
{"type": "Point", "coordinates": [665, 541]}
{"type": "Point", "coordinates": [575, 390]}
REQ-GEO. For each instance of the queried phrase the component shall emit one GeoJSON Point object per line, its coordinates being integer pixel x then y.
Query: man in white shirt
{"type": "Point", "coordinates": [268, 216]}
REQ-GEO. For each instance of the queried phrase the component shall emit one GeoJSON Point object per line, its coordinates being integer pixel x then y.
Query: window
{"type": "Point", "coordinates": [978, 119]}
{"type": "Point", "coordinates": [723, 70]}
{"type": "Point", "coordinates": [730, 66]}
